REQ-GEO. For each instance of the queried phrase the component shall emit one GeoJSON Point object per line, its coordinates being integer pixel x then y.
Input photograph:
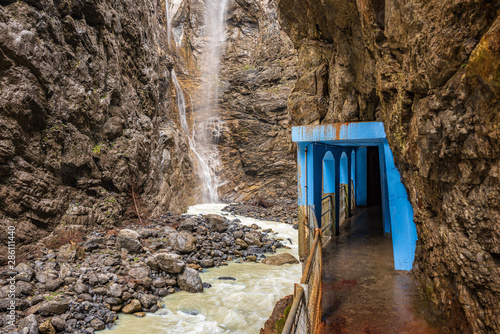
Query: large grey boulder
{"type": "Point", "coordinates": [188, 225]}
{"type": "Point", "coordinates": [182, 242]}
{"type": "Point", "coordinates": [53, 307]}
{"type": "Point", "coordinates": [25, 272]}
{"type": "Point", "coordinates": [129, 240]}
{"type": "Point", "coordinates": [29, 325]}
{"type": "Point", "coordinates": [171, 263]}
{"type": "Point", "coordinates": [115, 290]}
{"type": "Point", "coordinates": [46, 276]}
{"type": "Point", "coordinates": [189, 280]}
{"type": "Point", "coordinates": [139, 272]}
{"type": "Point", "coordinates": [278, 260]}
{"type": "Point", "coordinates": [217, 223]}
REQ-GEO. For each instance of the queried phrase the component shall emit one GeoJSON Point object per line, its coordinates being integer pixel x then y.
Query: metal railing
{"type": "Point", "coordinates": [305, 313]}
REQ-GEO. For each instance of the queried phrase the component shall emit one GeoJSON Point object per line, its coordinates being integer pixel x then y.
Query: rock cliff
{"type": "Point", "coordinates": [257, 73]}
{"type": "Point", "coordinates": [85, 115]}
{"type": "Point", "coordinates": [430, 70]}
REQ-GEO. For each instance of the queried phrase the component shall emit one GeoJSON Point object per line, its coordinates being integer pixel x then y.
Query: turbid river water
{"type": "Point", "coordinates": [240, 306]}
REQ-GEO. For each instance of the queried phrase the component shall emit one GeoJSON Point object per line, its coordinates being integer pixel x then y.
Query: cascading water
{"type": "Point", "coordinates": [169, 22]}
{"type": "Point", "coordinates": [205, 160]}
{"type": "Point", "coordinates": [207, 128]}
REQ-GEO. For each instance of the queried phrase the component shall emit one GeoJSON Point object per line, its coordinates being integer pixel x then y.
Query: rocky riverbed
{"type": "Point", "coordinates": [280, 210]}
{"type": "Point", "coordinates": [81, 287]}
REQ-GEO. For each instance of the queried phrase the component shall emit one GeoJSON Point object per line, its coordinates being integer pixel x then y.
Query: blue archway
{"type": "Point", "coordinates": [347, 144]}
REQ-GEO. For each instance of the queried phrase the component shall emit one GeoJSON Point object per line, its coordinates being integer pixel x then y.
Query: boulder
{"type": "Point", "coordinates": [207, 263]}
{"type": "Point", "coordinates": [253, 238]}
{"type": "Point", "coordinates": [111, 317]}
{"type": "Point", "coordinates": [64, 272]}
{"type": "Point", "coordinates": [80, 288]}
{"type": "Point", "coordinates": [188, 225]}
{"type": "Point", "coordinates": [278, 260]}
{"type": "Point", "coordinates": [139, 272]}
{"type": "Point", "coordinates": [25, 272]}
{"type": "Point", "coordinates": [159, 282]}
{"type": "Point", "coordinates": [29, 324]}
{"type": "Point", "coordinates": [97, 324]}
{"type": "Point", "coordinates": [58, 323]}
{"type": "Point", "coordinates": [171, 263]}
{"type": "Point", "coordinates": [67, 253]}
{"type": "Point", "coordinates": [129, 240]}
{"type": "Point", "coordinates": [189, 280]}
{"type": "Point", "coordinates": [241, 243]}
{"type": "Point", "coordinates": [148, 300]}
{"type": "Point", "coordinates": [24, 288]}
{"type": "Point", "coordinates": [53, 307]}
{"type": "Point", "coordinates": [132, 307]}
{"type": "Point", "coordinates": [46, 276]}
{"type": "Point", "coordinates": [54, 284]}
{"type": "Point", "coordinates": [217, 223]}
{"type": "Point", "coordinates": [115, 290]}
{"type": "Point", "coordinates": [182, 242]}
{"type": "Point", "coordinates": [47, 328]}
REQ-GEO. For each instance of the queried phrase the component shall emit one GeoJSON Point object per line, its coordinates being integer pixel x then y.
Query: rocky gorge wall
{"type": "Point", "coordinates": [256, 75]}
{"type": "Point", "coordinates": [86, 116]}
{"type": "Point", "coordinates": [430, 70]}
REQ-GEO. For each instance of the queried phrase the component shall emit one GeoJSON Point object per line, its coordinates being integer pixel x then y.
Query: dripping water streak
{"type": "Point", "coordinates": [169, 23]}
{"type": "Point", "coordinates": [210, 181]}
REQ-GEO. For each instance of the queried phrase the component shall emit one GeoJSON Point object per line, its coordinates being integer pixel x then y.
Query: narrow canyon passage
{"type": "Point", "coordinates": [362, 293]}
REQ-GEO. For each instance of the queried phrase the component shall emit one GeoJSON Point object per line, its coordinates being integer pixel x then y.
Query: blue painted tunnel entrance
{"type": "Point", "coordinates": [346, 164]}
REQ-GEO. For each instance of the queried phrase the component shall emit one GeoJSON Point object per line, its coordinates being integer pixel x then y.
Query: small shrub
{"type": "Point", "coordinates": [96, 149]}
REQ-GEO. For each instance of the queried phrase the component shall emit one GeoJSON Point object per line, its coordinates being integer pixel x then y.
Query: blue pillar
{"type": "Point", "coordinates": [301, 173]}
{"type": "Point", "coordinates": [337, 194]}
{"type": "Point", "coordinates": [349, 176]}
{"type": "Point", "coordinates": [404, 232]}
{"type": "Point", "coordinates": [383, 188]}
{"type": "Point", "coordinates": [361, 176]}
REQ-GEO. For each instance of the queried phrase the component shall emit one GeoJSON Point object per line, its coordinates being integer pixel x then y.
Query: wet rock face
{"type": "Point", "coordinates": [429, 71]}
{"type": "Point", "coordinates": [85, 114]}
{"type": "Point", "coordinates": [256, 75]}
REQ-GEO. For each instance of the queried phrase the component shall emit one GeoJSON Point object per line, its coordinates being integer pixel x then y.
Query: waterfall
{"type": "Point", "coordinates": [207, 163]}
{"type": "Point", "coordinates": [207, 122]}
{"type": "Point", "coordinates": [169, 23]}
{"type": "Point", "coordinates": [181, 103]}
{"type": "Point", "coordinates": [207, 127]}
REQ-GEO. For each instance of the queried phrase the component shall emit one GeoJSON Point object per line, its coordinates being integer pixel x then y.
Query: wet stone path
{"type": "Point", "coordinates": [362, 292]}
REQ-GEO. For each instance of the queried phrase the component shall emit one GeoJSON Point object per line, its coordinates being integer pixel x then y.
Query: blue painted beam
{"type": "Point", "coordinates": [338, 132]}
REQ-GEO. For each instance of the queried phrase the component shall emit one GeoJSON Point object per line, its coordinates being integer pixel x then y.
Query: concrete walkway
{"type": "Point", "coordinates": [362, 293]}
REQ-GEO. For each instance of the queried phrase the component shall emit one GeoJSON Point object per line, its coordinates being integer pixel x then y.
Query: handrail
{"type": "Point", "coordinates": [293, 310]}
{"type": "Point", "coordinates": [307, 314]}
{"type": "Point", "coordinates": [307, 268]}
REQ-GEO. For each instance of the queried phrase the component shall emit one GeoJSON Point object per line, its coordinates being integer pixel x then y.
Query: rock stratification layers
{"type": "Point", "coordinates": [85, 115]}
{"type": "Point", "coordinates": [430, 71]}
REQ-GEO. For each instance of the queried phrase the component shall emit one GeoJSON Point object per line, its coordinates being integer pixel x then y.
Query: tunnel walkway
{"type": "Point", "coordinates": [362, 293]}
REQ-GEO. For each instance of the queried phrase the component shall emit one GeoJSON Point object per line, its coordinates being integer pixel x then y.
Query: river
{"type": "Point", "coordinates": [240, 306]}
